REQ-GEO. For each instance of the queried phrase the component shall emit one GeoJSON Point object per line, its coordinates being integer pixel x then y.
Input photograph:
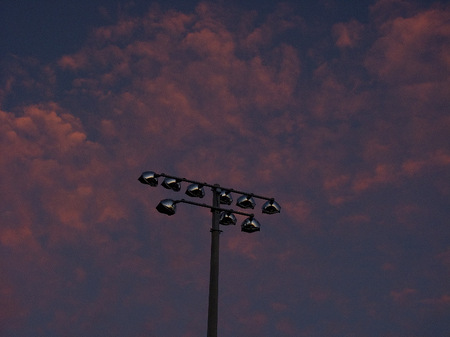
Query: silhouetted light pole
{"type": "Point", "coordinates": [220, 216]}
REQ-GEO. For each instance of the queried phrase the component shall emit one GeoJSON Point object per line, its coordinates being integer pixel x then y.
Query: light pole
{"type": "Point", "coordinates": [220, 216]}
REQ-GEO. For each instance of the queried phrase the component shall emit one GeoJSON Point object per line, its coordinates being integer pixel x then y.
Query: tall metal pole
{"type": "Point", "coordinates": [250, 225]}
{"type": "Point", "coordinates": [213, 310]}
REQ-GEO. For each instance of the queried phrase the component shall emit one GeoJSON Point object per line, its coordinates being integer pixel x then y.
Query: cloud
{"type": "Point", "coordinates": [352, 145]}
{"type": "Point", "coordinates": [443, 301]}
{"type": "Point", "coordinates": [347, 34]}
{"type": "Point", "coordinates": [409, 51]}
{"type": "Point", "coordinates": [402, 295]}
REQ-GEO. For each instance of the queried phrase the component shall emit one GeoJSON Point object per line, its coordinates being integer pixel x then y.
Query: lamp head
{"type": "Point", "coordinates": [171, 184]}
{"type": "Point", "coordinates": [227, 218]}
{"type": "Point", "coordinates": [195, 190]}
{"type": "Point", "coordinates": [149, 178]}
{"type": "Point", "coordinates": [167, 206]}
{"type": "Point", "coordinates": [225, 197]}
{"type": "Point", "coordinates": [271, 207]}
{"type": "Point", "coordinates": [246, 201]}
{"type": "Point", "coordinates": [250, 225]}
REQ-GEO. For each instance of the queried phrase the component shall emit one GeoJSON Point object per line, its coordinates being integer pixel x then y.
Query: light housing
{"type": "Point", "coordinates": [171, 184]}
{"type": "Point", "coordinates": [246, 201]}
{"type": "Point", "coordinates": [225, 197]}
{"type": "Point", "coordinates": [195, 190]}
{"type": "Point", "coordinates": [271, 207]}
{"type": "Point", "coordinates": [167, 206]}
{"type": "Point", "coordinates": [227, 218]}
{"type": "Point", "coordinates": [250, 225]}
{"type": "Point", "coordinates": [149, 178]}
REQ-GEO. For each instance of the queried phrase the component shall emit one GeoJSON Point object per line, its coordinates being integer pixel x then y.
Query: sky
{"type": "Point", "coordinates": [339, 110]}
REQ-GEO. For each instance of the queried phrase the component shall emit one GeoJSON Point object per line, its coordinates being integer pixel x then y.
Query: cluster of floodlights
{"type": "Point", "coordinates": [196, 190]}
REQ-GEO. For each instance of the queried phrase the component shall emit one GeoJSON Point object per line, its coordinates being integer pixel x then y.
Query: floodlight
{"type": "Point", "coordinates": [246, 201]}
{"type": "Point", "coordinates": [220, 216]}
{"type": "Point", "coordinates": [171, 184]}
{"type": "Point", "coordinates": [271, 207]}
{"type": "Point", "coordinates": [225, 197]}
{"type": "Point", "coordinates": [167, 206]}
{"type": "Point", "coordinates": [250, 225]}
{"type": "Point", "coordinates": [195, 190]}
{"type": "Point", "coordinates": [149, 178]}
{"type": "Point", "coordinates": [227, 218]}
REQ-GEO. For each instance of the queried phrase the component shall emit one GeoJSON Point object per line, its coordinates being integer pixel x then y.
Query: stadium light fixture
{"type": "Point", "coordinates": [220, 216]}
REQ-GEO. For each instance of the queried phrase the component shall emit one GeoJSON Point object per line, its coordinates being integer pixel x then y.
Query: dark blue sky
{"type": "Point", "coordinates": [50, 28]}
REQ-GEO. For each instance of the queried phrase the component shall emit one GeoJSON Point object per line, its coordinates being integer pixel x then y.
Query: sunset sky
{"type": "Point", "coordinates": [337, 109]}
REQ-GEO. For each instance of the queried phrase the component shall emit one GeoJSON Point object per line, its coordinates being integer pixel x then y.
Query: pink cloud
{"type": "Point", "coordinates": [11, 311]}
{"type": "Point", "coordinates": [192, 95]}
{"type": "Point", "coordinates": [245, 245]}
{"type": "Point", "coordinates": [403, 295]}
{"type": "Point", "coordinates": [407, 51]}
{"type": "Point", "coordinates": [320, 295]}
{"type": "Point", "coordinates": [298, 209]}
{"type": "Point", "coordinates": [407, 214]}
{"type": "Point", "coordinates": [38, 142]}
{"type": "Point", "coordinates": [210, 44]}
{"type": "Point", "coordinates": [287, 327]}
{"type": "Point", "coordinates": [445, 258]}
{"type": "Point", "coordinates": [443, 301]}
{"type": "Point", "coordinates": [348, 34]}
{"type": "Point", "coordinates": [386, 10]}
{"type": "Point", "coordinates": [253, 38]}
{"type": "Point", "coordinates": [383, 174]}
{"type": "Point", "coordinates": [388, 267]}
{"type": "Point", "coordinates": [279, 306]}
{"type": "Point", "coordinates": [72, 62]}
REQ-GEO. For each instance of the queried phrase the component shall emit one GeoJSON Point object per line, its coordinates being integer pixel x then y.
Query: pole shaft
{"type": "Point", "coordinates": [213, 306]}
